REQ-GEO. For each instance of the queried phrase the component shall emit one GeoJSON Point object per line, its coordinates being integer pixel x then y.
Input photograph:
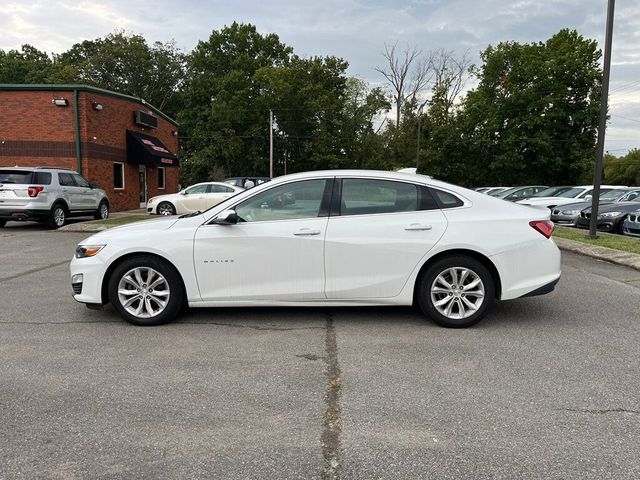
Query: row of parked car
{"type": "Point", "coordinates": [619, 210]}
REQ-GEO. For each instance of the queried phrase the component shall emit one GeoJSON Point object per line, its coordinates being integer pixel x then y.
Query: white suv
{"type": "Point", "coordinates": [48, 194]}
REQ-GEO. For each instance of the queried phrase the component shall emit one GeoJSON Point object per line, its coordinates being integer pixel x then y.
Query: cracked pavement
{"type": "Point", "coordinates": [545, 387]}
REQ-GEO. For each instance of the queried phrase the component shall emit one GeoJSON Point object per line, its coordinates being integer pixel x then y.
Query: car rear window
{"type": "Point", "coordinates": [15, 176]}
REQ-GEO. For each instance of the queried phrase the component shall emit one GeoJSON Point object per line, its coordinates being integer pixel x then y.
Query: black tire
{"type": "Point", "coordinates": [2, 223]}
{"type": "Point", "coordinates": [103, 211]}
{"type": "Point", "coordinates": [166, 207]}
{"type": "Point", "coordinates": [57, 216]}
{"type": "Point", "coordinates": [426, 282]}
{"type": "Point", "coordinates": [173, 282]}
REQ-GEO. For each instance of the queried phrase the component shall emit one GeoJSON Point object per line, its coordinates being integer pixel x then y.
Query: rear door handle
{"type": "Point", "coordinates": [418, 226]}
{"type": "Point", "coordinates": [306, 232]}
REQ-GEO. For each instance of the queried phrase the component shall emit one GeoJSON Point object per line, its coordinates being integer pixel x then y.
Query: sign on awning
{"type": "Point", "coordinates": [145, 149]}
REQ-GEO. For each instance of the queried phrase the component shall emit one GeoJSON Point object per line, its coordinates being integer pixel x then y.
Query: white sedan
{"type": "Point", "coordinates": [332, 238]}
{"type": "Point", "coordinates": [198, 197]}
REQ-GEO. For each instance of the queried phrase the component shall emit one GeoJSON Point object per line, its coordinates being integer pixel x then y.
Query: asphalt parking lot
{"type": "Point", "coordinates": [545, 387]}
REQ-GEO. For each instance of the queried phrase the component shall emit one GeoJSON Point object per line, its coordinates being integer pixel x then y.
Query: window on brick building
{"type": "Point", "coordinates": [161, 178]}
{"type": "Point", "coordinates": [118, 175]}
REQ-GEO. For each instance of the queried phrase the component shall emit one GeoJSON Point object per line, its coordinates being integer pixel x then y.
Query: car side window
{"type": "Point", "coordinates": [80, 181]}
{"type": "Point", "coordinates": [66, 180]}
{"type": "Point", "coordinates": [446, 199]}
{"type": "Point", "coordinates": [219, 189]}
{"type": "Point", "coordinates": [285, 202]}
{"type": "Point", "coordinates": [197, 189]}
{"type": "Point", "coordinates": [366, 196]}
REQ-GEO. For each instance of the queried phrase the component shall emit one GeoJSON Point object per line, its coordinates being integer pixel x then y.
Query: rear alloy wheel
{"type": "Point", "coordinates": [165, 208]}
{"type": "Point", "coordinates": [456, 291]}
{"type": "Point", "coordinates": [103, 211]}
{"type": "Point", "coordinates": [58, 216]}
{"type": "Point", "coordinates": [146, 291]}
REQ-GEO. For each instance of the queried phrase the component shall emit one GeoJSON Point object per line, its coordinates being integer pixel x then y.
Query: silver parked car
{"type": "Point", "coordinates": [49, 195]}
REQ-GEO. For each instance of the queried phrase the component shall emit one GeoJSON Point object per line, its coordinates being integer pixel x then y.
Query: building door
{"type": "Point", "coordinates": [143, 186]}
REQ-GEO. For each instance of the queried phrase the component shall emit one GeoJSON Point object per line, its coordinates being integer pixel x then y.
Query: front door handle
{"type": "Point", "coordinates": [306, 231]}
{"type": "Point", "coordinates": [418, 226]}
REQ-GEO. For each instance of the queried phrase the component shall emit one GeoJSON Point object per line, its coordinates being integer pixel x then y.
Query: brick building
{"type": "Point", "coordinates": [121, 143]}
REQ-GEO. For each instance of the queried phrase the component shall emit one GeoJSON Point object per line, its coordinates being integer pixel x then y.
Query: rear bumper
{"type": "Point", "coordinates": [543, 290]}
{"type": "Point", "coordinates": [21, 214]}
{"type": "Point", "coordinates": [528, 268]}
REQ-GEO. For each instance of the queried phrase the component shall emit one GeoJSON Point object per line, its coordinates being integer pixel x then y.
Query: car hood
{"type": "Point", "coordinates": [625, 207]}
{"type": "Point", "coordinates": [145, 227]}
{"type": "Point", "coordinates": [166, 196]}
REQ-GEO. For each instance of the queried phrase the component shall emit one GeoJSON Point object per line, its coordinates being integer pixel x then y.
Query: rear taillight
{"type": "Point", "coordinates": [34, 191]}
{"type": "Point", "coordinates": [545, 227]}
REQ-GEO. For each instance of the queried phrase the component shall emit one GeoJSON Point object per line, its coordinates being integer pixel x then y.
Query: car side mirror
{"type": "Point", "coordinates": [92, 186]}
{"type": "Point", "coordinates": [226, 217]}
{"type": "Point", "coordinates": [183, 192]}
{"type": "Point", "coordinates": [588, 198]}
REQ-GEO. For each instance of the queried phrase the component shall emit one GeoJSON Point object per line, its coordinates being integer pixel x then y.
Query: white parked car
{"type": "Point", "coordinates": [198, 197]}
{"type": "Point", "coordinates": [572, 195]}
{"type": "Point", "coordinates": [332, 238]}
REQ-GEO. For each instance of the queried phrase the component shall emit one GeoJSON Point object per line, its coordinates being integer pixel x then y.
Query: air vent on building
{"type": "Point", "coordinates": [145, 120]}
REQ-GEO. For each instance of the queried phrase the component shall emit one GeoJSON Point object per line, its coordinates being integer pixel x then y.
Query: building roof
{"type": "Point", "coordinates": [83, 88]}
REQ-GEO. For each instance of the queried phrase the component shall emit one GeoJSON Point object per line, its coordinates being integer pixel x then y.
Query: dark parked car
{"type": "Point", "coordinates": [570, 213]}
{"type": "Point", "coordinates": [610, 217]}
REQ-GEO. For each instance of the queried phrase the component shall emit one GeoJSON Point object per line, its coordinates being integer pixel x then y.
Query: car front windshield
{"type": "Point", "coordinates": [552, 191]}
{"type": "Point", "coordinates": [507, 192]}
{"type": "Point", "coordinates": [612, 195]}
{"type": "Point", "coordinates": [571, 193]}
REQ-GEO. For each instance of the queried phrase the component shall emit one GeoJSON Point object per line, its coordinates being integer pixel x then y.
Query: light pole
{"type": "Point", "coordinates": [271, 143]}
{"type": "Point", "coordinates": [597, 174]}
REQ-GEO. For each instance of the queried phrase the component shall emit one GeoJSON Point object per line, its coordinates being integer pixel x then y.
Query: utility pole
{"type": "Point", "coordinates": [597, 174]}
{"type": "Point", "coordinates": [271, 143]}
{"type": "Point", "coordinates": [419, 134]}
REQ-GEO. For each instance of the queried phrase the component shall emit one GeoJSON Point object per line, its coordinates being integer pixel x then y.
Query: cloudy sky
{"type": "Point", "coordinates": [353, 29]}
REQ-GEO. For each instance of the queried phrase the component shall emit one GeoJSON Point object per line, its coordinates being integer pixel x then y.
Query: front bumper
{"type": "Point", "coordinates": [632, 228]}
{"type": "Point", "coordinates": [602, 225]}
{"type": "Point", "coordinates": [559, 219]}
{"type": "Point", "coordinates": [92, 270]}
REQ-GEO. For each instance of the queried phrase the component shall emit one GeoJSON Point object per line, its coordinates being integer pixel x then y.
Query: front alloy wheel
{"type": "Point", "coordinates": [165, 208]}
{"type": "Point", "coordinates": [146, 290]}
{"type": "Point", "coordinates": [456, 291]}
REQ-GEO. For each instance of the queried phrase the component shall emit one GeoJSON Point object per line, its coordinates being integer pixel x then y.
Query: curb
{"type": "Point", "coordinates": [625, 259]}
{"type": "Point", "coordinates": [84, 227]}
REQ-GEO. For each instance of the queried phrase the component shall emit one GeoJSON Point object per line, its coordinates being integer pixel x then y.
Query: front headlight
{"type": "Point", "coordinates": [610, 214]}
{"type": "Point", "coordinates": [570, 212]}
{"type": "Point", "coordinates": [84, 251]}
{"type": "Point", "coordinates": [151, 200]}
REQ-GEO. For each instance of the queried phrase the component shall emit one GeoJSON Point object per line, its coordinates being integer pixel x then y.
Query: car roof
{"type": "Point", "coordinates": [40, 169]}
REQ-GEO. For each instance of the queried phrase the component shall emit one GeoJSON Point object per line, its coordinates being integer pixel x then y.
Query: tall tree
{"type": "Point", "coordinates": [532, 117]}
{"type": "Point", "coordinates": [225, 120]}
{"type": "Point", "coordinates": [29, 65]}
{"type": "Point", "coordinates": [127, 64]}
{"type": "Point", "coordinates": [407, 73]}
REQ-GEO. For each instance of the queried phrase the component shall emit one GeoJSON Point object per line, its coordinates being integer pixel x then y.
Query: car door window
{"type": "Point", "coordinates": [362, 196]}
{"type": "Point", "coordinates": [196, 189]}
{"type": "Point", "coordinates": [80, 181]}
{"type": "Point", "coordinates": [219, 189]}
{"type": "Point", "coordinates": [66, 180]}
{"type": "Point", "coordinates": [285, 202]}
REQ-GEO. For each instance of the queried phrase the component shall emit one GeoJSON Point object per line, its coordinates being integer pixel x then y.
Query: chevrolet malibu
{"type": "Point", "coordinates": [334, 238]}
